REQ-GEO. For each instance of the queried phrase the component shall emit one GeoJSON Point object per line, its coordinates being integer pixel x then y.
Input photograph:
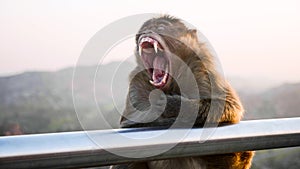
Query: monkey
{"type": "Point", "coordinates": [169, 57]}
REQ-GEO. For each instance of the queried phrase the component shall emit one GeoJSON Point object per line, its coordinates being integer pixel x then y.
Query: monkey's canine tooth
{"type": "Point", "coordinates": [155, 84]}
{"type": "Point", "coordinates": [151, 82]}
{"type": "Point", "coordinates": [155, 46]}
{"type": "Point", "coordinates": [140, 50]}
{"type": "Point", "coordinates": [167, 69]}
{"type": "Point", "coordinates": [164, 78]}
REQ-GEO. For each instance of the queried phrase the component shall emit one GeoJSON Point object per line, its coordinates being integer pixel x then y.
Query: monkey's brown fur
{"type": "Point", "coordinates": [183, 42]}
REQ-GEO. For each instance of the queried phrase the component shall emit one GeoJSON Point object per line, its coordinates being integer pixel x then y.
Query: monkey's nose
{"type": "Point", "coordinates": [148, 31]}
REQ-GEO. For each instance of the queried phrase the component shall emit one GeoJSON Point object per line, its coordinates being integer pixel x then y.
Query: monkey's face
{"type": "Point", "coordinates": [156, 42]}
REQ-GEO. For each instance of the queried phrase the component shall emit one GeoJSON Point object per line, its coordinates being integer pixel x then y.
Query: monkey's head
{"type": "Point", "coordinates": [158, 40]}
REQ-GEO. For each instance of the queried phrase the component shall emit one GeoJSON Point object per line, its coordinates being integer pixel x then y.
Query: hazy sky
{"type": "Point", "coordinates": [252, 39]}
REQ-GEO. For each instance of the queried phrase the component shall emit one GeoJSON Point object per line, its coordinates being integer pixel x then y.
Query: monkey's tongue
{"type": "Point", "coordinates": [159, 75]}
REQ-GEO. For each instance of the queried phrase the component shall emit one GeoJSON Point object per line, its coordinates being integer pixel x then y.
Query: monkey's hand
{"type": "Point", "coordinates": [158, 102]}
{"type": "Point", "coordinates": [145, 112]}
{"type": "Point", "coordinates": [180, 107]}
{"type": "Point", "coordinates": [174, 110]}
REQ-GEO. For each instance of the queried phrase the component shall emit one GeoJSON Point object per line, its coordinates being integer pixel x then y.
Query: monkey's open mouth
{"type": "Point", "coordinates": [155, 60]}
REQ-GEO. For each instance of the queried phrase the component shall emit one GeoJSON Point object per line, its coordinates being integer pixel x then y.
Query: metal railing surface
{"type": "Point", "coordinates": [81, 149]}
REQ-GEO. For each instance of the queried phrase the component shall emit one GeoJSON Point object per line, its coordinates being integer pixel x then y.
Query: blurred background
{"type": "Point", "coordinates": [257, 43]}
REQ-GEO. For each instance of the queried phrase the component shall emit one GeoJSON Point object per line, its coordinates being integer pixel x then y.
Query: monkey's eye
{"type": "Point", "coordinates": [161, 28]}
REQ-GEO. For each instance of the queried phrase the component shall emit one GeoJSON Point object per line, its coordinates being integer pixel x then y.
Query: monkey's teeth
{"type": "Point", "coordinates": [167, 69]}
{"type": "Point", "coordinates": [164, 78]}
{"type": "Point", "coordinates": [140, 51]}
{"type": "Point", "coordinates": [151, 82]}
{"type": "Point", "coordinates": [155, 46]}
{"type": "Point", "coordinates": [155, 84]}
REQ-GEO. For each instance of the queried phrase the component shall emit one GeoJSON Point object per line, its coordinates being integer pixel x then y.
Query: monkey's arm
{"type": "Point", "coordinates": [226, 109]}
{"type": "Point", "coordinates": [163, 110]}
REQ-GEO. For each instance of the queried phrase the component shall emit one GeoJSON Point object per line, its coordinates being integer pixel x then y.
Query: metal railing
{"type": "Point", "coordinates": [81, 149]}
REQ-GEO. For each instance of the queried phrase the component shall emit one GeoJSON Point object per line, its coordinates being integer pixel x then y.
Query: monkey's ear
{"type": "Point", "coordinates": [193, 32]}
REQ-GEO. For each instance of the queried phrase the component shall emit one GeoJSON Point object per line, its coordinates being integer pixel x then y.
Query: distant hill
{"type": "Point", "coordinates": [278, 102]}
{"type": "Point", "coordinates": [42, 101]}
